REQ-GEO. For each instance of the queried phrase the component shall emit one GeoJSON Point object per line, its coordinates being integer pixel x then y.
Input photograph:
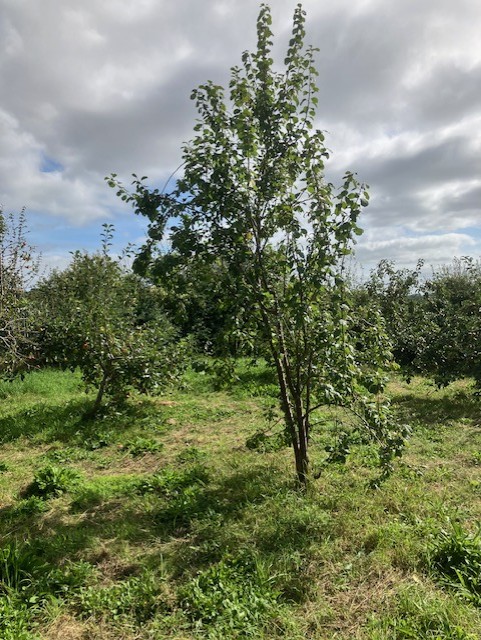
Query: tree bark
{"type": "Point", "coordinates": [100, 394]}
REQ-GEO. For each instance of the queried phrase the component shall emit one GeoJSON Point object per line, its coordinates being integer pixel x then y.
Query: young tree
{"type": "Point", "coordinates": [106, 321]}
{"type": "Point", "coordinates": [253, 195]}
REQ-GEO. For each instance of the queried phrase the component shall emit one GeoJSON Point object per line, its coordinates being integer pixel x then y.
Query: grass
{"type": "Point", "coordinates": [159, 522]}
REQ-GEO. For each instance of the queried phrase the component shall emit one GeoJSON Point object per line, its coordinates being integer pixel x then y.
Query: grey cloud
{"type": "Point", "coordinates": [435, 163]}
{"type": "Point", "coordinates": [449, 94]}
{"type": "Point", "coordinates": [104, 86]}
{"type": "Point", "coordinates": [434, 249]}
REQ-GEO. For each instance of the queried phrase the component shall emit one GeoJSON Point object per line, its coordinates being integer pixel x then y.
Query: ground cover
{"type": "Point", "coordinates": [157, 521]}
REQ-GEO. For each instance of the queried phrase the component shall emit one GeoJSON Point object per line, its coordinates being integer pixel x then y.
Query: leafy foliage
{"type": "Point", "coordinates": [398, 294]}
{"type": "Point", "coordinates": [235, 596]}
{"type": "Point", "coordinates": [15, 619]}
{"type": "Point", "coordinates": [52, 481]}
{"type": "Point", "coordinates": [139, 597]}
{"type": "Point", "coordinates": [253, 199]}
{"type": "Point", "coordinates": [452, 347]}
{"type": "Point", "coordinates": [105, 321]}
{"type": "Point", "coordinates": [18, 269]}
{"type": "Point", "coordinates": [456, 559]}
{"type": "Point", "coordinates": [139, 446]}
{"type": "Point", "coordinates": [434, 322]}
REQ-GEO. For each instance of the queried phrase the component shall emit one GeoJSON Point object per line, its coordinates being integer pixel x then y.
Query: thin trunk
{"type": "Point", "coordinates": [296, 424]}
{"type": "Point", "coordinates": [302, 466]}
{"type": "Point", "coordinates": [100, 394]}
{"type": "Point", "coordinates": [291, 394]}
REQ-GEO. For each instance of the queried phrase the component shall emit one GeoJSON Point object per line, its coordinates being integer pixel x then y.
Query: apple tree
{"type": "Point", "coordinates": [105, 321]}
{"type": "Point", "coordinates": [19, 267]}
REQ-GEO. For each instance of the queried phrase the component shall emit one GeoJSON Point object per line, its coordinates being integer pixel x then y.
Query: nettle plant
{"type": "Point", "coordinates": [253, 195]}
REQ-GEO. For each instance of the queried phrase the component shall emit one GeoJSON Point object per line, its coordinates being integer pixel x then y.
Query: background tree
{"type": "Point", "coordinates": [253, 197]}
{"type": "Point", "coordinates": [398, 293]}
{"type": "Point", "coordinates": [433, 321]}
{"type": "Point", "coordinates": [19, 267]}
{"type": "Point", "coordinates": [451, 348]}
{"type": "Point", "coordinates": [107, 322]}
{"type": "Point", "coordinates": [193, 296]}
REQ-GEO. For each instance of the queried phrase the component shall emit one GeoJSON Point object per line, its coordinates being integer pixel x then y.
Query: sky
{"type": "Point", "coordinates": [90, 88]}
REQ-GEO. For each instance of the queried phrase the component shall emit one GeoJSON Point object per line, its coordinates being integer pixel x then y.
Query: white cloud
{"type": "Point", "coordinates": [104, 86]}
{"type": "Point", "coordinates": [434, 249]}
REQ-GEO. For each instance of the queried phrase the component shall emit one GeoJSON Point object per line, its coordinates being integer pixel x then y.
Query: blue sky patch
{"type": "Point", "coordinates": [50, 165]}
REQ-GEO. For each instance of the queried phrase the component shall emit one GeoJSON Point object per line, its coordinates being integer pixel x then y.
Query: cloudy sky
{"type": "Point", "coordinates": [90, 88]}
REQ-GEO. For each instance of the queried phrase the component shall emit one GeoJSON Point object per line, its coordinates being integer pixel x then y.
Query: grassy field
{"type": "Point", "coordinates": [159, 522]}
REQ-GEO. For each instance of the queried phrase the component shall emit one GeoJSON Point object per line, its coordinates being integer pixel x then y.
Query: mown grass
{"type": "Point", "coordinates": [159, 522]}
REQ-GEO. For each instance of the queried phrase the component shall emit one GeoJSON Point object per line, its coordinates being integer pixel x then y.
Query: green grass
{"type": "Point", "coordinates": [158, 522]}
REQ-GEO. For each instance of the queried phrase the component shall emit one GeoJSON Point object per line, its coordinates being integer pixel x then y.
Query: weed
{"type": "Point", "coordinates": [234, 598]}
{"type": "Point", "coordinates": [182, 491]}
{"type": "Point", "coordinates": [190, 455]}
{"type": "Point", "coordinates": [98, 440]}
{"type": "Point", "coordinates": [29, 506]}
{"type": "Point", "coordinates": [19, 564]}
{"type": "Point", "coordinates": [15, 619]}
{"type": "Point", "coordinates": [421, 615]}
{"type": "Point", "coordinates": [139, 446]}
{"type": "Point", "coordinates": [90, 494]}
{"type": "Point", "coordinates": [52, 481]}
{"type": "Point", "coordinates": [67, 579]}
{"type": "Point", "coordinates": [66, 455]}
{"type": "Point", "coordinates": [138, 597]}
{"type": "Point", "coordinates": [171, 482]}
{"type": "Point", "coordinates": [267, 442]}
{"type": "Point", "coordinates": [456, 559]}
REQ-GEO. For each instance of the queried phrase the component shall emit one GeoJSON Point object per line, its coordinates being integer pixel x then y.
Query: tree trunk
{"type": "Point", "coordinates": [100, 394]}
{"type": "Point", "coordinates": [296, 425]}
{"type": "Point", "coordinates": [302, 457]}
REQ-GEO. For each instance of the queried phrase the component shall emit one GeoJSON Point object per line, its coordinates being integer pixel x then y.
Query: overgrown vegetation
{"type": "Point", "coordinates": [205, 537]}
